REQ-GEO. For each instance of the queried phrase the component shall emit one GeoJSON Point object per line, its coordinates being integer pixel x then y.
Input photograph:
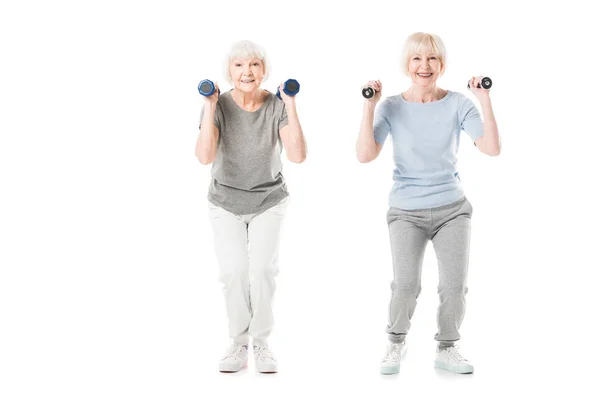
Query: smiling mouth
{"type": "Point", "coordinates": [247, 80]}
{"type": "Point", "coordinates": [425, 75]}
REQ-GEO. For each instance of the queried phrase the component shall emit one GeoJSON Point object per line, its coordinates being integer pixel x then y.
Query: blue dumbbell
{"type": "Point", "coordinates": [486, 83]}
{"type": "Point", "coordinates": [291, 87]}
{"type": "Point", "coordinates": [206, 88]}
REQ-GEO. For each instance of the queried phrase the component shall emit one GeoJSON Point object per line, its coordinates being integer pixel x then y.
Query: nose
{"type": "Point", "coordinates": [247, 69]}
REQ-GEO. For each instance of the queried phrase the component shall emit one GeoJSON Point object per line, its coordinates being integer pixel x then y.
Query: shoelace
{"type": "Point", "coordinates": [393, 353]}
{"type": "Point", "coordinates": [455, 354]}
{"type": "Point", "coordinates": [263, 352]}
{"type": "Point", "coordinates": [234, 351]}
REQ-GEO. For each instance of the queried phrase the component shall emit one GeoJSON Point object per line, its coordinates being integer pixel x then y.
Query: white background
{"type": "Point", "coordinates": [108, 279]}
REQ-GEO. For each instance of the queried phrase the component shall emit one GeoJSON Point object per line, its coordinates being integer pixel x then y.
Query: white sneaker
{"type": "Point", "coordinates": [235, 358]}
{"type": "Point", "coordinates": [451, 360]}
{"type": "Point", "coordinates": [264, 360]}
{"type": "Point", "coordinates": [391, 361]}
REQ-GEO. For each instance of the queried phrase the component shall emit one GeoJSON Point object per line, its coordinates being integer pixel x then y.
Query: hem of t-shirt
{"type": "Point", "coordinates": [257, 210]}
{"type": "Point", "coordinates": [420, 204]}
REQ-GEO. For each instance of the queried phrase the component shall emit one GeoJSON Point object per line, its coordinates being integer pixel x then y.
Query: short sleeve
{"type": "Point", "coordinates": [219, 116]}
{"type": "Point", "coordinates": [283, 118]}
{"type": "Point", "coordinates": [470, 120]}
{"type": "Point", "coordinates": [381, 124]}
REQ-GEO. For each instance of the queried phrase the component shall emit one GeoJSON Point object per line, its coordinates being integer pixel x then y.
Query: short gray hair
{"type": "Point", "coordinates": [420, 41]}
{"type": "Point", "coordinates": [245, 50]}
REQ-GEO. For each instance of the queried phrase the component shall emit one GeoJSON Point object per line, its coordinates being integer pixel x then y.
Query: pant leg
{"type": "Point", "coordinates": [408, 239]}
{"type": "Point", "coordinates": [231, 246]}
{"type": "Point", "coordinates": [264, 233]}
{"type": "Point", "coordinates": [451, 240]}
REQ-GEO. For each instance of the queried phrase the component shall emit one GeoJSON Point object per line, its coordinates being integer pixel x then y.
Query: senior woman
{"type": "Point", "coordinates": [242, 133]}
{"type": "Point", "coordinates": [427, 202]}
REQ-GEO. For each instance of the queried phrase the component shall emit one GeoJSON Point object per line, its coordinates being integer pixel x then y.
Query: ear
{"type": "Point", "coordinates": [229, 76]}
{"type": "Point", "coordinates": [265, 72]}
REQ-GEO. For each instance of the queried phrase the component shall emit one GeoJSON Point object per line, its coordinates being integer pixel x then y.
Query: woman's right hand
{"type": "Point", "coordinates": [376, 86]}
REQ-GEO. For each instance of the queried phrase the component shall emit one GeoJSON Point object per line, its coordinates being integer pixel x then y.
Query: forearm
{"type": "Point", "coordinates": [206, 145]}
{"type": "Point", "coordinates": [366, 149]}
{"type": "Point", "coordinates": [491, 137]}
{"type": "Point", "coordinates": [297, 142]}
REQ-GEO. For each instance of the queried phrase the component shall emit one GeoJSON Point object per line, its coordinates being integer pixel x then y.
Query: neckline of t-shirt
{"type": "Point", "coordinates": [246, 111]}
{"type": "Point", "coordinates": [446, 97]}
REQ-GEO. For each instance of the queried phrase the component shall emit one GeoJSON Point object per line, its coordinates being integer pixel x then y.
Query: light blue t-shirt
{"type": "Point", "coordinates": [425, 137]}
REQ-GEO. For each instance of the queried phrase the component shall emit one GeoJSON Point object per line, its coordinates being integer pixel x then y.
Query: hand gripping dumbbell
{"type": "Point", "coordinates": [368, 92]}
{"type": "Point", "coordinates": [486, 83]}
{"type": "Point", "coordinates": [291, 87]}
{"type": "Point", "coordinates": [206, 88]}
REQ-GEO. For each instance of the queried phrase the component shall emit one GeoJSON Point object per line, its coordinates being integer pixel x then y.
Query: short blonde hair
{"type": "Point", "coordinates": [245, 50]}
{"type": "Point", "coordinates": [419, 43]}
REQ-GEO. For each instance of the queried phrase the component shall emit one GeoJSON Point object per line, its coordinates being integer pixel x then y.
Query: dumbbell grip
{"type": "Point", "coordinates": [368, 92]}
{"type": "Point", "coordinates": [487, 83]}
{"type": "Point", "coordinates": [207, 88]}
{"type": "Point", "coordinates": [290, 83]}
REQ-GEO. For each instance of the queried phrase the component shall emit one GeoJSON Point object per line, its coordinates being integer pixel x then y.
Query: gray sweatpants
{"type": "Point", "coordinates": [449, 228]}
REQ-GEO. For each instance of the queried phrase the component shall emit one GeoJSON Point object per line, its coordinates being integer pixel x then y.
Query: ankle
{"type": "Point", "coordinates": [445, 344]}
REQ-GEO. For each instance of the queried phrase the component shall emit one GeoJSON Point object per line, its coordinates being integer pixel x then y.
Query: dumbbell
{"type": "Point", "coordinates": [206, 88]}
{"type": "Point", "coordinates": [486, 83]}
{"type": "Point", "coordinates": [368, 92]}
{"type": "Point", "coordinates": [291, 87]}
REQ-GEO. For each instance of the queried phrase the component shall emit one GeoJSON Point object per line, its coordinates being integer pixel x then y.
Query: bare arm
{"type": "Point", "coordinates": [291, 135]}
{"type": "Point", "coordinates": [367, 149]}
{"type": "Point", "coordinates": [489, 143]}
{"type": "Point", "coordinates": [206, 145]}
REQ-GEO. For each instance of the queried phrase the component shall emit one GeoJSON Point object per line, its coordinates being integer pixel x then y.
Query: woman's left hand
{"type": "Point", "coordinates": [287, 100]}
{"type": "Point", "coordinates": [480, 92]}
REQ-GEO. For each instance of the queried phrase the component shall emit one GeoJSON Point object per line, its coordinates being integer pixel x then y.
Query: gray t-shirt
{"type": "Point", "coordinates": [246, 173]}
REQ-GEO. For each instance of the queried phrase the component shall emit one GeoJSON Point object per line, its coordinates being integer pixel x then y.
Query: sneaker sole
{"type": "Point", "coordinates": [267, 370]}
{"type": "Point", "coordinates": [390, 370]}
{"type": "Point", "coordinates": [455, 369]}
{"type": "Point", "coordinates": [230, 368]}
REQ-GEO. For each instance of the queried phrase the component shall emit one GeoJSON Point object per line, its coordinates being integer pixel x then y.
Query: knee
{"type": "Point", "coordinates": [262, 269]}
{"type": "Point", "coordinates": [452, 291]}
{"type": "Point", "coordinates": [406, 289]}
{"type": "Point", "coordinates": [262, 264]}
{"type": "Point", "coordinates": [232, 277]}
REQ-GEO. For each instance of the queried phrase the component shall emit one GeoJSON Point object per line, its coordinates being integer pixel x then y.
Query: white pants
{"type": "Point", "coordinates": [247, 252]}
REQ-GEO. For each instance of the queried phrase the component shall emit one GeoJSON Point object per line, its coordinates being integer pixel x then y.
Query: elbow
{"type": "Point", "coordinates": [204, 159]}
{"type": "Point", "coordinates": [364, 158]}
{"type": "Point", "coordinates": [494, 151]}
{"type": "Point", "coordinates": [297, 159]}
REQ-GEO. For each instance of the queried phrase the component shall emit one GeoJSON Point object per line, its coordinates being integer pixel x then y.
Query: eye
{"type": "Point", "coordinates": [256, 64]}
{"type": "Point", "coordinates": [238, 64]}
{"type": "Point", "coordinates": [433, 58]}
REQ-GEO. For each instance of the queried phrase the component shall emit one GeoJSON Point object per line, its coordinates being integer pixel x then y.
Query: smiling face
{"type": "Point", "coordinates": [246, 74]}
{"type": "Point", "coordinates": [424, 59]}
{"type": "Point", "coordinates": [424, 68]}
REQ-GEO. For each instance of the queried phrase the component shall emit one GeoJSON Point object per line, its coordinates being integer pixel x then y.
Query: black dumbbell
{"type": "Point", "coordinates": [291, 87]}
{"type": "Point", "coordinates": [486, 83]}
{"type": "Point", "coordinates": [206, 88]}
{"type": "Point", "coordinates": [368, 92]}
